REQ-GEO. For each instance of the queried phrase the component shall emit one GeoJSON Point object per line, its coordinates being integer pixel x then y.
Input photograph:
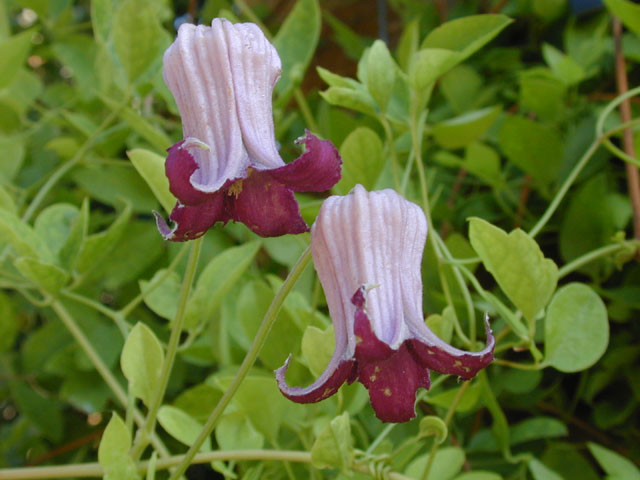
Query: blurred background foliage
{"type": "Point", "coordinates": [85, 119]}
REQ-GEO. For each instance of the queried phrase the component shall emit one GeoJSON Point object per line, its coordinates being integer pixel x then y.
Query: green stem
{"type": "Point", "coordinates": [392, 151]}
{"type": "Point", "coordinates": [129, 307]}
{"type": "Point", "coordinates": [261, 336]}
{"type": "Point", "coordinates": [594, 255]}
{"type": "Point", "coordinates": [557, 199]}
{"type": "Point", "coordinates": [102, 369]}
{"type": "Point", "coordinates": [519, 366]}
{"type": "Point", "coordinates": [117, 317]}
{"type": "Point", "coordinates": [172, 348]}
{"type": "Point", "coordinates": [447, 421]}
{"type": "Point", "coordinates": [66, 166]}
{"type": "Point", "coordinates": [306, 111]}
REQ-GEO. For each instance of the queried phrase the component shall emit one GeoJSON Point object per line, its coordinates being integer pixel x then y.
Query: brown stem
{"type": "Point", "coordinates": [633, 178]}
{"type": "Point", "coordinates": [498, 6]}
{"type": "Point", "coordinates": [67, 447]}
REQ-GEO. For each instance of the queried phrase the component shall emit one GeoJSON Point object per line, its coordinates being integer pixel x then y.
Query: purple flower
{"type": "Point", "coordinates": [228, 166]}
{"type": "Point", "coordinates": [367, 249]}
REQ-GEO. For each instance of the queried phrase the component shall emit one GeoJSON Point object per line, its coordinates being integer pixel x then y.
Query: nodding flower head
{"type": "Point", "coordinates": [367, 249]}
{"type": "Point", "coordinates": [228, 166]}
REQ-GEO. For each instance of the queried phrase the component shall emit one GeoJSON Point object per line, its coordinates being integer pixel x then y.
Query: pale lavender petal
{"type": "Point", "coordinates": [197, 71]}
{"type": "Point", "coordinates": [316, 170]}
{"type": "Point", "coordinates": [255, 68]}
{"type": "Point", "coordinates": [373, 239]}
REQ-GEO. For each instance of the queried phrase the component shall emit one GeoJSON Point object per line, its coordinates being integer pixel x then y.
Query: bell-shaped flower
{"type": "Point", "coordinates": [228, 166]}
{"type": "Point", "coordinates": [367, 249]}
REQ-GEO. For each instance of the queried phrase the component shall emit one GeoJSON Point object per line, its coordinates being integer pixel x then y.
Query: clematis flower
{"type": "Point", "coordinates": [228, 166]}
{"type": "Point", "coordinates": [367, 249]}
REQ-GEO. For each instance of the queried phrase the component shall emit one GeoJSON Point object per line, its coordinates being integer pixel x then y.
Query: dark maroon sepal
{"type": "Point", "coordinates": [392, 377]}
{"type": "Point", "coordinates": [345, 372]}
{"type": "Point", "coordinates": [316, 170]}
{"type": "Point", "coordinates": [465, 365]}
{"type": "Point", "coordinates": [179, 167]}
{"type": "Point", "coordinates": [191, 222]}
{"type": "Point", "coordinates": [267, 207]}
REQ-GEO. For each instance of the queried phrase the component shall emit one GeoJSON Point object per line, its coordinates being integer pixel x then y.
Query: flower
{"type": "Point", "coordinates": [228, 166]}
{"type": "Point", "coordinates": [367, 249]}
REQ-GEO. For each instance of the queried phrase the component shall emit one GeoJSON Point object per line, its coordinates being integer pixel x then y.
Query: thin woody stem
{"type": "Point", "coordinates": [633, 178]}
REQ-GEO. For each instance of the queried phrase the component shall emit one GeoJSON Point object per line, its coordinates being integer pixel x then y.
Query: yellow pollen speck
{"type": "Point", "coordinates": [376, 370]}
{"type": "Point", "coordinates": [466, 369]}
{"type": "Point", "coordinates": [326, 393]}
{"type": "Point", "coordinates": [387, 392]}
{"type": "Point", "coordinates": [457, 363]}
{"type": "Point", "coordinates": [373, 378]}
{"type": "Point", "coordinates": [235, 188]}
{"type": "Point", "coordinates": [358, 340]}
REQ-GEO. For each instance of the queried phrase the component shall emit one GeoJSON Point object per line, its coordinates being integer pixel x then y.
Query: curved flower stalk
{"type": "Point", "coordinates": [367, 249]}
{"type": "Point", "coordinates": [228, 166]}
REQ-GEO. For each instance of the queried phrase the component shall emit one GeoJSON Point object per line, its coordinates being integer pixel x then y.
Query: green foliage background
{"type": "Point", "coordinates": [504, 127]}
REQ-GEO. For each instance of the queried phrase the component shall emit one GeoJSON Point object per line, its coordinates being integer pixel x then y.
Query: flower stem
{"type": "Point", "coordinates": [68, 165]}
{"type": "Point", "coordinates": [596, 254]}
{"type": "Point", "coordinates": [172, 348]}
{"type": "Point", "coordinates": [261, 336]}
{"type": "Point", "coordinates": [392, 151]}
{"type": "Point", "coordinates": [102, 368]}
{"type": "Point", "coordinates": [447, 421]}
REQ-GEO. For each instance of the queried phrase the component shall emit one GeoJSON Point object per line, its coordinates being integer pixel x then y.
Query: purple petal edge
{"type": "Point", "coordinates": [316, 170]}
{"type": "Point", "coordinates": [179, 167]}
{"type": "Point", "coordinates": [444, 358]}
{"type": "Point", "coordinates": [193, 221]}
{"type": "Point", "coordinates": [337, 372]}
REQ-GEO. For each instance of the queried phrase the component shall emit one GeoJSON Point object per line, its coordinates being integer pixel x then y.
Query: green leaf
{"type": "Point", "coordinates": [150, 166]}
{"type": "Point", "coordinates": [362, 159]}
{"type": "Point", "coordinates": [199, 401]}
{"type": "Point", "coordinates": [576, 328]}
{"type": "Point", "coordinates": [13, 53]}
{"type": "Point", "coordinates": [467, 403]}
{"type": "Point", "coordinates": [22, 237]}
{"type": "Point", "coordinates": [461, 131]}
{"type": "Point", "coordinates": [433, 426]}
{"type": "Point", "coordinates": [143, 127]}
{"type": "Point", "coordinates": [466, 35]}
{"type": "Point", "coordinates": [13, 151]}
{"type": "Point", "coordinates": [96, 247]}
{"type": "Point", "coordinates": [216, 280]}
{"type": "Point", "coordinates": [616, 466]}
{"type": "Point", "coordinates": [564, 67]}
{"type": "Point", "coordinates": [55, 223]}
{"type": "Point", "coordinates": [333, 447]}
{"type": "Point", "coordinates": [163, 299]}
{"type": "Point", "coordinates": [536, 428]}
{"type": "Point", "coordinates": [483, 162]}
{"type": "Point", "coordinates": [9, 325]}
{"type": "Point", "coordinates": [517, 264]}
{"type": "Point", "coordinates": [69, 250]}
{"type": "Point", "coordinates": [537, 149]}
{"type": "Point", "coordinates": [235, 432]}
{"type": "Point", "coordinates": [408, 43]}
{"type": "Point", "coordinates": [357, 100]}
{"type": "Point", "coordinates": [542, 92]}
{"type": "Point", "coordinates": [464, 89]}
{"type": "Point", "coordinates": [141, 362]}
{"type": "Point", "coordinates": [182, 426]}
{"type": "Point", "coordinates": [296, 41]}
{"type": "Point", "coordinates": [45, 413]}
{"type": "Point", "coordinates": [540, 471]}
{"type": "Point", "coordinates": [627, 12]}
{"type": "Point", "coordinates": [261, 401]}
{"type": "Point", "coordinates": [317, 348]}
{"type": "Point", "coordinates": [429, 64]}
{"type": "Point", "coordinates": [381, 74]}
{"type": "Point", "coordinates": [46, 276]}
{"type": "Point", "coordinates": [335, 80]}
{"type": "Point", "coordinates": [479, 475]}
{"type": "Point", "coordinates": [113, 452]}
{"type": "Point", "coordinates": [137, 37]}
{"type": "Point", "coordinates": [447, 463]}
